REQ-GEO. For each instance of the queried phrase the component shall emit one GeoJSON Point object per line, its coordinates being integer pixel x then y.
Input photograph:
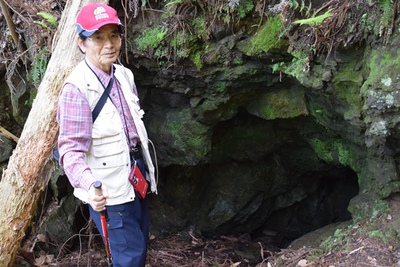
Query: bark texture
{"type": "Point", "coordinates": [30, 166]}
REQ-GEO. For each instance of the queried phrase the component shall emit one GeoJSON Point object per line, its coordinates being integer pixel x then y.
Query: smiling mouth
{"type": "Point", "coordinates": [111, 54]}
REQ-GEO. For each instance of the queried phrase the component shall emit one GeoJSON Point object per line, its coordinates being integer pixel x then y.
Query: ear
{"type": "Point", "coordinates": [81, 44]}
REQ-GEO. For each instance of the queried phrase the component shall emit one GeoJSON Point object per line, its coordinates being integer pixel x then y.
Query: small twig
{"type": "Point", "coordinates": [355, 250]}
{"type": "Point", "coordinates": [262, 250]}
{"type": "Point", "coordinates": [296, 257]}
{"type": "Point", "coordinates": [170, 255]}
{"type": "Point", "coordinates": [9, 135]}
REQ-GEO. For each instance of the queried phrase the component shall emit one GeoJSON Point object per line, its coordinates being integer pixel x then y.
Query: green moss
{"type": "Point", "coordinates": [298, 65]}
{"type": "Point", "coordinates": [347, 73]}
{"type": "Point", "coordinates": [180, 43]}
{"type": "Point", "coordinates": [345, 156]}
{"type": "Point", "coordinates": [299, 68]}
{"type": "Point", "coordinates": [212, 53]}
{"type": "Point", "coordinates": [378, 234]}
{"type": "Point", "coordinates": [151, 38]}
{"type": "Point", "coordinates": [220, 86]}
{"type": "Point", "coordinates": [381, 208]}
{"type": "Point", "coordinates": [199, 26]}
{"type": "Point", "coordinates": [245, 7]}
{"type": "Point", "coordinates": [383, 66]}
{"type": "Point", "coordinates": [332, 151]}
{"type": "Point", "coordinates": [289, 103]}
{"type": "Point", "coordinates": [196, 59]}
{"type": "Point", "coordinates": [347, 84]}
{"type": "Point", "coordinates": [337, 240]}
{"type": "Point", "coordinates": [268, 36]}
{"type": "Point", "coordinates": [186, 134]}
{"type": "Point", "coordinates": [322, 149]}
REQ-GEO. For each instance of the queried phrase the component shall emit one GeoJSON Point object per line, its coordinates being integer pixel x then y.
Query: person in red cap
{"type": "Point", "coordinates": [102, 135]}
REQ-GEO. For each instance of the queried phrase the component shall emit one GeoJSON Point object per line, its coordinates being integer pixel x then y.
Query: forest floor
{"type": "Point", "coordinates": [348, 244]}
{"type": "Point", "coordinates": [372, 241]}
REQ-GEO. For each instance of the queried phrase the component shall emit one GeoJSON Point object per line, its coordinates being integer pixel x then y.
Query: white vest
{"type": "Point", "coordinates": [108, 156]}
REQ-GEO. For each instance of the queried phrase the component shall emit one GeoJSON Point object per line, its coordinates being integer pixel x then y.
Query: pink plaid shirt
{"type": "Point", "coordinates": [75, 120]}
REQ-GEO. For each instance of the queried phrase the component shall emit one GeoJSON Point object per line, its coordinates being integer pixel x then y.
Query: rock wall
{"type": "Point", "coordinates": [244, 147]}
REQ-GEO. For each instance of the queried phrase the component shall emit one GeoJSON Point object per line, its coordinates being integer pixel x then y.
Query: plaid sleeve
{"type": "Point", "coordinates": [75, 129]}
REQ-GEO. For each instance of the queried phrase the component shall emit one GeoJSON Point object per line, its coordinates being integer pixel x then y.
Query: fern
{"type": "Point", "coordinates": [295, 5]}
{"type": "Point", "coordinates": [314, 20]}
{"type": "Point", "coordinates": [39, 66]}
{"type": "Point", "coordinates": [303, 5]}
{"type": "Point", "coordinates": [44, 25]}
{"type": "Point", "coordinates": [308, 9]}
{"type": "Point", "coordinates": [173, 3]}
{"type": "Point", "coordinates": [52, 20]}
{"type": "Point", "coordinates": [151, 38]}
{"type": "Point", "coordinates": [387, 11]}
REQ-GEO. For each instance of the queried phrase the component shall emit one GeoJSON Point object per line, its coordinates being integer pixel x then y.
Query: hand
{"type": "Point", "coordinates": [98, 198]}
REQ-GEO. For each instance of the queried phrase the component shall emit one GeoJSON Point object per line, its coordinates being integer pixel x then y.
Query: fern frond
{"type": "Point", "coordinates": [49, 18]}
{"type": "Point", "coordinates": [173, 3]}
{"type": "Point", "coordinates": [308, 9]}
{"type": "Point", "coordinates": [303, 5]}
{"type": "Point", "coordinates": [293, 4]}
{"type": "Point", "coordinates": [314, 20]}
{"type": "Point", "coordinates": [44, 25]}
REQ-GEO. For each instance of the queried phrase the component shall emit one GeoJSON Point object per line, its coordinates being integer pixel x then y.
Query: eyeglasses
{"type": "Point", "coordinates": [101, 39]}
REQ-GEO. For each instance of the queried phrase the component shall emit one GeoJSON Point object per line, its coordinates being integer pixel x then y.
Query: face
{"type": "Point", "coordinates": [103, 47]}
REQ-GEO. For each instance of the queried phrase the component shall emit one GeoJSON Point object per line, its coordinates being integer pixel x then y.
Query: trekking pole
{"type": "Point", "coordinates": [103, 218]}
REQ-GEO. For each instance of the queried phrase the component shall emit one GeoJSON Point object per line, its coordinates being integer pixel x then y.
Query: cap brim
{"type": "Point", "coordinates": [88, 33]}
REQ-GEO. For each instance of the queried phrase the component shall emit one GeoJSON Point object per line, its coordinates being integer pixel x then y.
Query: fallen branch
{"type": "Point", "coordinates": [170, 255]}
{"type": "Point", "coordinates": [355, 250]}
{"type": "Point", "coordinates": [8, 135]}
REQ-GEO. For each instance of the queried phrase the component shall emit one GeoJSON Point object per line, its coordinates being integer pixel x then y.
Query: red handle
{"type": "Point", "coordinates": [103, 218]}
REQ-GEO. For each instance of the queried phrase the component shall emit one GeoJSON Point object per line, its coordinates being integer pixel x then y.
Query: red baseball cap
{"type": "Point", "coordinates": [93, 16]}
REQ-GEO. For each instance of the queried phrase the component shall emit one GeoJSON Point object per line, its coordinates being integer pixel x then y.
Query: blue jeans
{"type": "Point", "coordinates": [128, 230]}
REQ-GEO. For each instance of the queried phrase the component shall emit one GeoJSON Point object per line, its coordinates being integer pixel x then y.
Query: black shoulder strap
{"type": "Point", "coordinates": [102, 100]}
{"type": "Point", "coordinates": [104, 96]}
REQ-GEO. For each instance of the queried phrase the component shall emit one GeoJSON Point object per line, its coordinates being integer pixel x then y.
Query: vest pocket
{"type": "Point", "coordinates": [109, 147]}
{"type": "Point", "coordinates": [107, 152]}
{"type": "Point", "coordinates": [108, 123]}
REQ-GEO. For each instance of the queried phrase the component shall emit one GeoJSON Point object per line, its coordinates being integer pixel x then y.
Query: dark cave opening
{"type": "Point", "coordinates": [327, 204]}
{"type": "Point", "coordinates": [304, 192]}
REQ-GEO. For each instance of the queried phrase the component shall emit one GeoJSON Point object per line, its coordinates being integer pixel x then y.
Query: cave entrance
{"type": "Point", "coordinates": [328, 203]}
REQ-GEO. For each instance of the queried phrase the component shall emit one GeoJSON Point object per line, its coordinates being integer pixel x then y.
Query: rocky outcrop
{"type": "Point", "coordinates": [261, 142]}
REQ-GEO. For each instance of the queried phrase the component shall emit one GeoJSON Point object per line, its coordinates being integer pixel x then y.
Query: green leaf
{"type": "Point", "coordinates": [293, 4]}
{"type": "Point", "coordinates": [314, 20]}
{"type": "Point", "coordinates": [49, 18]}
{"type": "Point", "coordinates": [173, 2]}
{"type": "Point", "coordinates": [44, 25]}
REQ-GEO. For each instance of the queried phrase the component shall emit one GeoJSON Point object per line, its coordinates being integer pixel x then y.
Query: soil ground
{"type": "Point", "coordinates": [346, 245]}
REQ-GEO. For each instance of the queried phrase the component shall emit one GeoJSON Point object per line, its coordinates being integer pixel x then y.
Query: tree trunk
{"type": "Point", "coordinates": [30, 167]}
